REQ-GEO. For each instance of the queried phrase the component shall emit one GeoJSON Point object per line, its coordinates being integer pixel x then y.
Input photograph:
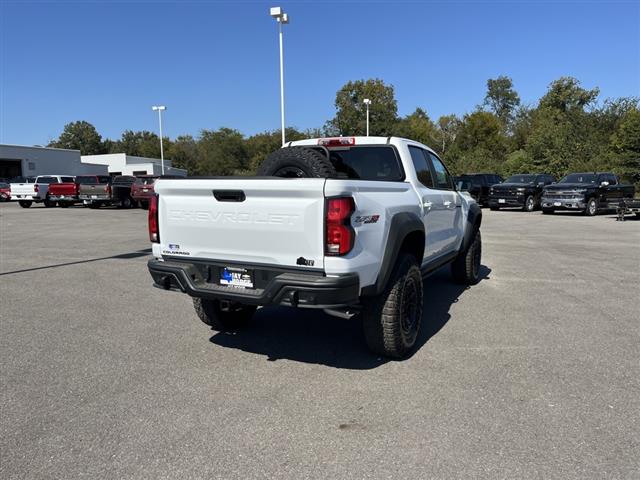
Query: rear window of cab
{"type": "Point", "coordinates": [379, 163]}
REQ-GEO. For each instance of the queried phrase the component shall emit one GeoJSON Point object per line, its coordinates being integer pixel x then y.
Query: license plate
{"type": "Point", "coordinates": [557, 204]}
{"type": "Point", "coordinates": [236, 277]}
{"type": "Point", "coordinates": [501, 200]}
{"type": "Point", "coordinates": [94, 196]}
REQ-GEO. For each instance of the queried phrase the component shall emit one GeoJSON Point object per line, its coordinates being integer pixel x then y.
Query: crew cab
{"type": "Point", "coordinates": [95, 190]}
{"type": "Point", "coordinates": [478, 185]}
{"type": "Point", "coordinates": [585, 192]}
{"type": "Point", "coordinates": [27, 193]}
{"type": "Point", "coordinates": [522, 190]}
{"type": "Point", "coordinates": [355, 241]}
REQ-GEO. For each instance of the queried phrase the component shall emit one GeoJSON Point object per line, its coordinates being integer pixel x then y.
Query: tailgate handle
{"type": "Point", "coordinates": [229, 195]}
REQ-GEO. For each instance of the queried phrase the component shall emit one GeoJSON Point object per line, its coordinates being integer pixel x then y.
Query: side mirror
{"type": "Point", "coordinates": [604, 184]}
{"type": "Point", "coordinates": [541, 184]}
{"type": "Point", "coordinates": [460, 186]}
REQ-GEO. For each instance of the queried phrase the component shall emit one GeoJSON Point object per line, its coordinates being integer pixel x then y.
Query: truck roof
{"type": "Point", "coordinates": [349, 141]}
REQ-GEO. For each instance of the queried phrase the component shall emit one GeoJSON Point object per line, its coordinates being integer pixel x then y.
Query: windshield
{"type": "Point", "coordinates": [521, 179]}
{"type": "Point", "coordinates": [580, 178]}
{"type": "Point", "coordinates": [145, 180]}
{"type": "Point", "coordinates": [87, 180]}
{"type": "Point", "coordinates": [366, 163]}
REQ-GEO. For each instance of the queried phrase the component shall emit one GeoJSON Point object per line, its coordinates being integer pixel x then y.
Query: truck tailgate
{"type": "Point", "coordinates": [243, 220]}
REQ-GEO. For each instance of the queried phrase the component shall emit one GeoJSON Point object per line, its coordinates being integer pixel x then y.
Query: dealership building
{"type": "Point", "coordinates": [24, 161]}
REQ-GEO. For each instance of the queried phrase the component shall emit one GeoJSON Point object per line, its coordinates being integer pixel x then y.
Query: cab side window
{"type": "Point", "coordinates": [612, 179]}
{"type": "Point", "coordinates": [421, 165]}
{"type": "Point", "coordinates": [441, 177]}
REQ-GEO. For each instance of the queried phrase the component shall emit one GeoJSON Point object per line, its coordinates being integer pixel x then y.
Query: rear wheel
{"type": "Point", "coordinates": [466, 268]}
{"type": "Point", "coordinates": [529, 204]}
{"type": "Point", "coordinates": [25, 203]}
{"type": "Point", "coordinates": [296, 162]}
{"type": "Point", "coordinates": [94, 205]}
{"type": "Point", "coordinates": [49, 203]}
{"type": "Point", "coordinates": [592, 207]}
{"type": "Point", "coordinates": [64, 204]}
{"type": "Point", "coordinates": [126, 202]}
{"type": "Point", "coordinates": [222, 315]}
{"type": "Point", "coordinates": [391, 320]}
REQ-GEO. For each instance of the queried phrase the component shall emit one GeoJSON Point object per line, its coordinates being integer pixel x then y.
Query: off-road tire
{"type": "Point", "coordinates": [529, 204]}
{"type": "Point", "coordinates": [391, 320]}
{"type": "Point", "coordinates": [296, 162]}
{"type": "Point", "coordinates": [466, 268]}
{"type": "Point", "coordinates": [592, 207]}
{"type": "Point", "coordinates": [547, 211]}
{"type": "Point", "coordinates": [25, 203]}
{"type": "Point", "coordinates": [223, 319]}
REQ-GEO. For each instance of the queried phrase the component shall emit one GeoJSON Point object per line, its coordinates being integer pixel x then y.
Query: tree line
{"type": "Point", "coordinates": [568, 129]}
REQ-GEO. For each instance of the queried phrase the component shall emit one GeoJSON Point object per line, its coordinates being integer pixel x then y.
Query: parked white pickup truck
{"type": "Point", "coordinates": [26, 193]}
{"type": "Point", "coordinates": [356, 242]}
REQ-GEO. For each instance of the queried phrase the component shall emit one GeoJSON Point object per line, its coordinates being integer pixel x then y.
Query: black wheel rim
{"type": "Point", "coordinates": [290, 172]}
{"type": "Point", "coordinates": [409, 310]}
{"type": "Point", "coordinates": [530, 204]}
{"type": "Point", "coordinates": [592, 207]}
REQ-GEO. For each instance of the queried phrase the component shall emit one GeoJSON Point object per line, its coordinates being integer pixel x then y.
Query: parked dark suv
{"type": "Point", "coordinates": [478, 184]}
{"type": "Point", "coordinates": [522, 190]}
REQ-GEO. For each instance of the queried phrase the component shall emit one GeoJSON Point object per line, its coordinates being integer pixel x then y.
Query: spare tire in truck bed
{"type": "Point", "coordinates": [296, 162]}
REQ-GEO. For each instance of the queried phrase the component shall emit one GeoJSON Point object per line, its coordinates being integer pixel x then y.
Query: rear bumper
{"type": "Point", "coordinates": [95, 198]}
{"type": "Point", "coordinates": [64, 198]}
{"type": "Point", "coordinates": [304, 289]}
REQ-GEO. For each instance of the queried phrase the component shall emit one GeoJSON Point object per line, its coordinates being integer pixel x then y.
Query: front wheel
{"type": "Point", "coordinates": [529, 204]}
{"type": "Point", "coordinates": [391, 320]}
{"type": "Point", "coordinates": [25, 203]}
{"type": "Point", "coordinates": [466, 268]}
{"type": "Point", "coordinates": [222, 315]}
{"type": "Point", "coordinates": [592, 207]}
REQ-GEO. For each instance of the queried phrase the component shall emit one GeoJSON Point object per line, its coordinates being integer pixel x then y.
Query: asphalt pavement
{"type": "Point", "coordinates": [532, 373]}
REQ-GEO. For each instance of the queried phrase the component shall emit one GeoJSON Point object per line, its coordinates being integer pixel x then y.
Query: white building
{"type": "Point", "coordinates": [123, 164]}
{"type": "Point", "coordinates": [24, 161]}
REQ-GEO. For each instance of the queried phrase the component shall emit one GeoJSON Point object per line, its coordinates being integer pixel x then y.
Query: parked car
{"type": "Point", "coordinates": [522, 190]}
{"type": "Point", "coordinates": [121, 191]}
{"type": "Point", "coordinates": [64, 193]}
{"type": "Point", "coordinates": [27, 193]}
{"type": "Point", "coordinates": [142, 190]}
{"type": "Point", "coordinates": [5, 192]}
{"type": "Point", "coordinates": [479, 184]}
{"type": "Point", "coordinates": [586, 192]}
{"type": "Point", "coordinates": [382, 213]}
{"type": "Point", "coordinates": [95, 190]}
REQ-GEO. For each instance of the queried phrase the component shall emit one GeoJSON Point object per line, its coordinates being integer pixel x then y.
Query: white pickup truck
{"type": "Point", "coordinates": [356, 241]}
{"type": "Point", "coordinates": [26, 193]}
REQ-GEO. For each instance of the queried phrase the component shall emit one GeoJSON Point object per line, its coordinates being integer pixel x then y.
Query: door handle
{"type": "Point", "coordinates": [427, 205]}
{"type": "Point", "coordinates": [447, 204]}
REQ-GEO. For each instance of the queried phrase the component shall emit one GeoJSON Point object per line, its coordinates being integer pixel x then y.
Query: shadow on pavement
{"type": "Point", "coordinates": [313, 337]}
{"type": "Point", "coordinates": [121, 256]}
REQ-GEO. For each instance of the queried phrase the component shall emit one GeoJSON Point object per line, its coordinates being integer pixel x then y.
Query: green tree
{"type": "Point", "coordinates": [566, 95]}
{"type": "Point", "coordinates": [481, 143]}
{"type": "Point", "coordinates": [448, 126]}
{"type": "Point", "coordinates": [183, 152]}
{"type": "Point", "coordinates": [419, 127]}
{"type": "Point", "coordinates": [501, 98]}
{"type": "Point", "coordinates": [221, 152]}
{"type": "Point", "coordinates": [262, 144]}
{"type": "Point", "coordinates": [80, 136]}
{"type": "Point", "coordinates": [350, 116]}
{"type": "Point", "coordinates": [140, 144]}
{"type": "Point", "coordinates": [625, 143]}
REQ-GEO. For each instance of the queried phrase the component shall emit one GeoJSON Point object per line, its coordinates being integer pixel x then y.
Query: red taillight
{"type": "Point", "coordinates": [339, 233]}
{"type": "Point", "coordinates": [108, 189]}
{"type": "Point", "coordinates": [154, 232]}
{"type": "Point", "coordinates": [36, 188]}
{"type": "Point", "coordinates": [337, 142]}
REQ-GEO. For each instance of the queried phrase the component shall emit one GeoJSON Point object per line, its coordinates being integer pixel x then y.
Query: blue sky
{"type": "Point", "coordinates": [216, 63]}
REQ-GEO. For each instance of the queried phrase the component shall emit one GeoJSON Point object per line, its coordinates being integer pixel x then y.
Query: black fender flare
{"type": "Point", "coordinates": [474, 219]}
{"type": "Point", "coordinates": [402, 224]}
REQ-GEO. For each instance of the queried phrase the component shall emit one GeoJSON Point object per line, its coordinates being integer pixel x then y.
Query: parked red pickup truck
{"type": "Point", "coordinates": [5, 192]}
{"type": "Point", "coordinates": [64, 193]}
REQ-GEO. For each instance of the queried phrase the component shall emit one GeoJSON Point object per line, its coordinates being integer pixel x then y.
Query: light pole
{"type": "Point", "coordinates": [282, 19]}
{"type": "Point", "coordinates": [367, 102]}
{"type": "Point", "coordinates": [160, 109]}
